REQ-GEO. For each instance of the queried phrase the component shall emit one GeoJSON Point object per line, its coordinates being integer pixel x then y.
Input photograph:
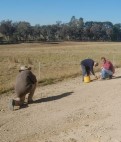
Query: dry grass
{"type": "Point", "coordinates": [56, 61]}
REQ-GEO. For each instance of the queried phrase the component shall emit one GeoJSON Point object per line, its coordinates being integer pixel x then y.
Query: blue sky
{"type": "Point", "coordinates": [46, 12]}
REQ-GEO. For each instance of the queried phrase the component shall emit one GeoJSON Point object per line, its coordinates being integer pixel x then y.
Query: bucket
{"type": "Point", "coordinates": [87, 79]}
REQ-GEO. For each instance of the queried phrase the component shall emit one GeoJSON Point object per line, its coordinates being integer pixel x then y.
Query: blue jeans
{"type": "Point", "coordinates": [85, 70]}
{"type": "Point", "coordinates": [106, 73]}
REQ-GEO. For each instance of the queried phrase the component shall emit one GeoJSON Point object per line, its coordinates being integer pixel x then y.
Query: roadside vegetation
{"type": "Point", "coordinates": [52, 62]}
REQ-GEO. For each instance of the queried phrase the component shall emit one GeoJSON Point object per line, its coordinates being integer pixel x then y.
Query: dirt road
{"type": "Point", "coordinates": [69, 111]}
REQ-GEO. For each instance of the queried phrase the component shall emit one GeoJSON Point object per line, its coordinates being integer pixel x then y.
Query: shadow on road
{"type": "Point", "coordinates": [116, 77]}
{"type": "Point", "coordinates": [52, 98]}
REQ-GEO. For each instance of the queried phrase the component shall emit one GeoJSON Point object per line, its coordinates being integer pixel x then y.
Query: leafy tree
{"type": "Point", "coordinates": [116, 36]}
{"type": "Point", "coordinates": [74, 30]}
{"type": "Point", "coordinates": [7, 29]}
{"type": "Point", "coordinates": [23, 30]}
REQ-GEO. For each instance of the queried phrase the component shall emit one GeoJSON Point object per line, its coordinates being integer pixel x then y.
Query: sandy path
{"type": "Point", "coordinates": [69, 111]}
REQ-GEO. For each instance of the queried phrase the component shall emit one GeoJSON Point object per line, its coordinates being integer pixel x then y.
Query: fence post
{"type": "Point", "coordinates": [113, 60]}
{"type": "Point", "coordinates": [39, 70]}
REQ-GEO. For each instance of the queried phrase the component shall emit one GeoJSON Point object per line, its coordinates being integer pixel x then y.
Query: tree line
{"type": "Point", "coordinates": [74, 30]}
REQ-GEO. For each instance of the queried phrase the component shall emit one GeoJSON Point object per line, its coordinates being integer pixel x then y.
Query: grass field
{"type": "Point", "coordinates": [52, 62]}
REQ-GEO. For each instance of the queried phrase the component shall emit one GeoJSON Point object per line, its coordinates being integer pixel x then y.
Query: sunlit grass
{"type": "Point", "coordinates": [52, 62]}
